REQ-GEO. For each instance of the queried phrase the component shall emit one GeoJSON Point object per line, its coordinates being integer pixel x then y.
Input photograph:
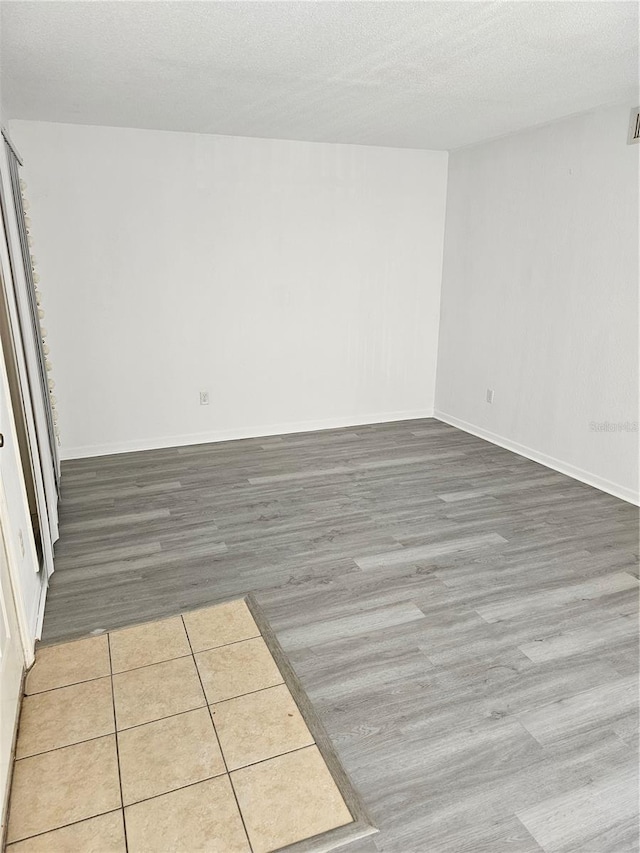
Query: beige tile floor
{"type": "Point", "coordinates": [177, 735]}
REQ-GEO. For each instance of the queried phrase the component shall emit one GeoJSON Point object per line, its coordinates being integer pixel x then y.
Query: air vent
{"type": "Point", "coordinates": [634, 127]}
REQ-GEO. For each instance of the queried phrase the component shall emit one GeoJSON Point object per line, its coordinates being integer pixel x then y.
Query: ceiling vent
{"type": "Point", "coordinates": [634, 127]}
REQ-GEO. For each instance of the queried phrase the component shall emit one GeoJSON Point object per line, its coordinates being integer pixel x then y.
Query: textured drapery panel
{"type": "Point", "coordinates": [35, 300]}
{"type": "Point", "coordinates": [50, 383]}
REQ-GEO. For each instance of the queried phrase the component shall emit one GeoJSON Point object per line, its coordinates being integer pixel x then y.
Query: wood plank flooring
{"type": "Point", "coordinates": [464, 620]}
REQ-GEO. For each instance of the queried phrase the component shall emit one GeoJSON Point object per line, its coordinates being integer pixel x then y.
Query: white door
{"type": "Point", "coordinates": [11, 668]}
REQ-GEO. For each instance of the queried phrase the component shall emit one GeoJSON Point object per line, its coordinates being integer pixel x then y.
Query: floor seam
{"type": "Point", "coordinates": [115, 723]}
{"type": "Point", "coordinates": [215, 731]}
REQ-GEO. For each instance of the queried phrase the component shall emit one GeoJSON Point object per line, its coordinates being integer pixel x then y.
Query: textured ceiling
{"type": "Point", "coordinates": [421, 75]}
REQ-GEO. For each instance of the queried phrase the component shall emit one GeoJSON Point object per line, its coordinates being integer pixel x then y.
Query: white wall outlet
{"type": "Point", "coordinates": [204, 398]}
{"type": "Point", "coordinates": [489, 395]}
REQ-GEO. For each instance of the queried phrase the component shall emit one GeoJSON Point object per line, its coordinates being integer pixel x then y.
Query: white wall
{"type": "Point", "coordinates": [540, 296]}
{"type": "Point", "coordinates": [298, 283]}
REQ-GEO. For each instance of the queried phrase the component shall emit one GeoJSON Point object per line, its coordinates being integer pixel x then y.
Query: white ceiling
{"type": "Point", "coordinates": [421, 75]}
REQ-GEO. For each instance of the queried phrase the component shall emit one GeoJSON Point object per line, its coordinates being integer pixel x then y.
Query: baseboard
{"type": "Point", "coordinates": [40, 619]}
{"type": "Point", "coordinates": [594, 480]}
{"type": "Point", "coordinates": [237, 434]}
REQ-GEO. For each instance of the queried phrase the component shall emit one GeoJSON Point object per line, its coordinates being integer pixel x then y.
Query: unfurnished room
{"type": "Point", "coordinates": [319, 457]}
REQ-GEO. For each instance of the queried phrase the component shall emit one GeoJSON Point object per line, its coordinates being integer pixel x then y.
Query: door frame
{"type": "Point", "coordinates": [27, 637]}
{"type": "Point", "coordinates": [10, 602]}
{"type": "Point", "coordinates": [29, 576]}
{"type": "Point", "coordinates": [15, 286]}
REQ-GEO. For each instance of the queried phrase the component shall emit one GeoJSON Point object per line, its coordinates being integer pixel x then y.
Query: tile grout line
{"type": "Point", "coordinates": [273, 757]}
{"type": "Point", "coordinates": [115, 724]}
{"type": "Point", "coordinates": [65, 746]}
{"type": "Point", "coordinates": [215, 731]}
{"type": "Point", "coordinates": [191, 653]}
{"type": "Point", "coordinates": [225, 772]}
{"type": "Point", "coordinates": [249, 693]}
{"type": "Point", "coordinates": [158, 719]}
{"type": "Point", "coordinates": [64, 826]}
{"type": "Point", "coordinates": [62, 686]}
{"type": "Point", "coordinates": [175, 790]}
{"type": "Point", "coordinates": [224, 645]}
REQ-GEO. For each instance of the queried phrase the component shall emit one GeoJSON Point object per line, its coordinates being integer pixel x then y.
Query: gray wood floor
{"type": "Point", "coordinates": [464, 620]}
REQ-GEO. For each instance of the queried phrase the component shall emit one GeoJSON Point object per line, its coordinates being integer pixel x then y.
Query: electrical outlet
{"type": "Point", "coordinates": [489, 395]}
{"type": "Point", "coordinates": [204, 398]}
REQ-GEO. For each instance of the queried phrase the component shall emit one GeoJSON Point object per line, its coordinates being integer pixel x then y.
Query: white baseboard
{"type": "Point", "coordinates": [594, 480]}
{"type": "Point", "coordinates": [236, 434]}
{"type": "Point", "coordinates": [41, 607]}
